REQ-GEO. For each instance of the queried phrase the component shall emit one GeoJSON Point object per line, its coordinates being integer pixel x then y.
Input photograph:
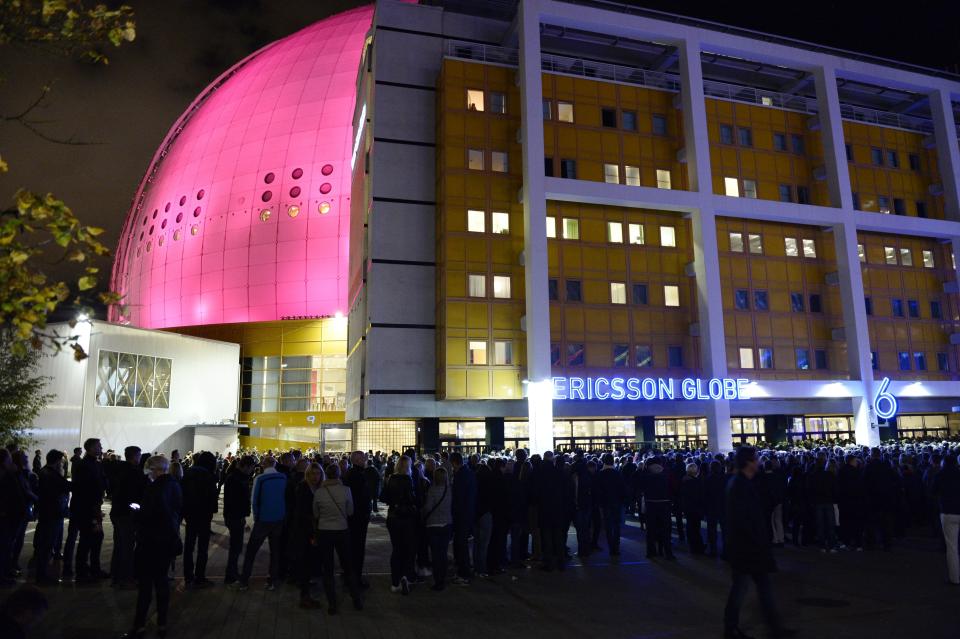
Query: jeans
{"type": "Point", "coordinates": [43, 545]}
{"type": "Point", "coordinates": [198, 534]}
{"type": "Point", "coordinates": [121, 560]}
{"type": "Point", "coordinates": [825, 525]}
{"type": "Point", "coordinates": [738, 590]}
{"type": "Point", "coordinates": [329, 541]}
{"type": "Point", "coordinates": [481, 541]}
{"type": "Point", "coordinates": [439, 539]}
{"type": "Point", "coordinates": [776, 522]}
{"type": "Point", "coordinates": [461, 552]}
{"type": "Point", "coordinates": [271, 530]}
{"type": "Point", "coordinates": [403, 543]}
{"type": "Point", "coordinates": [612, 517]}
{"type": "Point", "coordinates": [951, 530]}
{"type": "Point", "coordinates": [235, 526]}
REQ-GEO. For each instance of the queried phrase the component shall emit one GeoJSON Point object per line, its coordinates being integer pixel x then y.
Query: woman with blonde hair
{"type": "Point", "coordinates": [399, 494]}
{"type": "Point", "coordinates": [332, 507]}
{"type": "Point", "coordinates": [304, 533]}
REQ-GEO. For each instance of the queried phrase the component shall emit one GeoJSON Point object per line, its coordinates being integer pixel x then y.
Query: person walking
{"type": "Point", "coordinates": [464, 515]}
{"type": "Point", "coordinates": [402, 515]}
{"type": "Point", "coordinates": [332, 508]}
{"type": "Point", "coordinates": [748, 549]}
{"type": "Point", "coordinates": [438, 518]}
{"type": "Point", "coordinates": [200, 503]}
{"type": "Point", "coordinates": [236, 509]}
{"type": "Point", "coordinates": [126, 489]}
{"type": "Point", "coordinates": [946, 488]}
{"type": "Point", "coordinates": [269, 511]}
{"type": "Point", "coordinates": [158, 543]}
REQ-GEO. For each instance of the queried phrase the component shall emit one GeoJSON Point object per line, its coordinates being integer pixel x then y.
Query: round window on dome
{"type": "Point", "coordinates": [183, 200]}
{"type": "Point", "coordinates": [266, 196]}
{"type": "Point", "coordinates": [196, 212]}
{"type": "Point", "coordinates": [324, 208]}
{"type": "Point", "coordinates": [268, 178]}
{"type": "Point", "coordinates": [293, 211]}
{"type": "Point", "coordinates": [176, 235]}
{"type": "Point", "coordinates": [200, 194]}
{"type": "Point", "coordinates": [297, 174]}
{"type": "Point", "coordinates": [264, 215]}
{"type": "Point", "coordinates": [194, 229]}
{"type": "Point", "coordinates": [325, 187]}
{"type": "Point", "coordinates": [295, 191]}
{"type": "Point", "coordinates": [327, 169]}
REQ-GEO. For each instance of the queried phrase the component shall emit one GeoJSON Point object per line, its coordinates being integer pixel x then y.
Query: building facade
{"type": "Point", "coordinates": [569, 217]}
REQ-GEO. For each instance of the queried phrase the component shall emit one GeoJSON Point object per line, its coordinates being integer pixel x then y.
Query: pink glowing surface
{"type": "Point", "coordinates": [212, 237]}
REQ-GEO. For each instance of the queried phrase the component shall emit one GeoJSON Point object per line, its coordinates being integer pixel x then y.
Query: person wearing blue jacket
{"type": "Point", "coordinates": [269, 510]}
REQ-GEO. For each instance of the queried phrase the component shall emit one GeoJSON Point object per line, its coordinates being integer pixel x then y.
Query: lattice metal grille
{"type": "Point", "coordinates": [127, 379]}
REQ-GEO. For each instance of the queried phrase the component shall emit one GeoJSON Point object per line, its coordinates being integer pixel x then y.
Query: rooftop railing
{"type": "Point", "coordinates": [752, 95]}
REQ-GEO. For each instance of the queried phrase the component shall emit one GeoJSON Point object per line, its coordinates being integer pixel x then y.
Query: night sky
{"type": "Point", "coordinates": [126, 108]}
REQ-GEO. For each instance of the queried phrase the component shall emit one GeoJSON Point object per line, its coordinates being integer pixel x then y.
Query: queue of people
{"type": "Point", "coordinates": [498, 512]}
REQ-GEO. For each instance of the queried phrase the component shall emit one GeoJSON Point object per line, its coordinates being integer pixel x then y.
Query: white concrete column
{"type": "Point", "coordinates": [539, 390]}
{"type": "Point", "coordinates": [831, 133]}
{"type": "Point", "coordinates": [706, 257]}
{"type": "Point", "coordinates": [855, 326]}
{"type": "Point", "coordinates": [948, 153]}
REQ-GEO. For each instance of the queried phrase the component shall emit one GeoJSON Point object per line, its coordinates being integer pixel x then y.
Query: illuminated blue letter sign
{"type": "Point", "coordinates": [884, 403]}
{"type": "Point", "coordinates": [649, 388]}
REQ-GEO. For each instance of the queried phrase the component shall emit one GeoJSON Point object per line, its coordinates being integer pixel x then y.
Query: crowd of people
{"type": "Point", "coordinates": [499, 512]}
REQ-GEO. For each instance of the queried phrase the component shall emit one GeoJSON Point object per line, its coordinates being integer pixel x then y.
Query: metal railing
{"type": "Point", "coordinates": [482, 52]}
{"type": "Point", "coordinates": [605, 71]}
{"type": "Point", "coordinates": [885, 118]}
{"type": "Point", "coordinates": [752, 95]}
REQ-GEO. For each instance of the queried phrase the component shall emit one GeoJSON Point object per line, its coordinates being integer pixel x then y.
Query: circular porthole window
{"type": "Point", "coordinates": [264, 215]}
{"type": "Point", "coordinates": [176, 235]}
{"type": "Point", "coordinates": [194, 229]}
{"type": "Point", "coordinates": [293, 211]}
{"type": "Point", "coordinates": [324, 208]}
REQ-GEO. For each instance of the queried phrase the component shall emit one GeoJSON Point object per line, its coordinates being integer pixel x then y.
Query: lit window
{"type": "Point", "coordinates": [551, 226]}
{"type": "Point", "coordinates": [475, 159]}
{"type": "Point", "coordinates": [474, 100]}
{"type": "Point", "coordinates": [920, 360]}
{"type": "Point", "coordinates": [736, 242]}
{"type": "Point", "coordinates": [803, 359]}
{"type": "Point", "coordinates": [756, 244]}
{"type": "Point", "coordinates": [906, 257]}
{"type": "Point", "coordinates": [741, 299]}
{"type": "Point", "coordinates": [903, 358]}
{"type": "Point", "coordinates": [501, 286]}
{"type": "Point", "coordinates": [635, 233]}
{"type": "Point", "coordinates": [574, 354]}
{"type": "Point", "coordinates": [896, 307]}
{"type": "Point", "coordinates": [498, 161]}
{"type": "Point", "coordinates": [809, 248]}
{"type": "Point", "coordinates": [477, 285]}
{"type": "Point", "coordinates": [928, 259]}
{"type": "Point", "coordinates": [621, 355]}
{"type": "Point", "coordinates": [890, 255]}
{"type": "Point", "coordinates": [615, 232]}
{"type": "Point", "coordinates": [750, 189]}
{"type": "Point", "coordinates": [862, 253]}
{"type": "Point", "coordinates": [663, 179]}
{"type": "Point", "coordinates": [643, 356]}
{"type": "Point", "coordinates": [502, 352]}
{"type": "Point", "coordinates": [632, 175]}
{"type": "Point", "coordinates": [476, 221]}
{"type": "Point", "coordinates": [478, 353]}
{"type": "Point", "coordinates": [500, 222]}
{"type": "Point", "coordinates": [761, 301]}
{"type": "Point", "coordinates": [498, 102]}
{"type": "Point", "coordinates": [883, 203]}
{"type": "Point", "coordinates": [671, 295]}
{"type": "Point", "coordinates": [791, 247]}
{"type": "Point", "coordinates": [746, 358]}
{"type": "Point", "coordinates": [731, 186]}
{"type": "Point", "coordinates": [668, 236]}
{"type": "Point", "coordinates": [611, 174]}
{"type": "Point", "coordinates": [565, 111]}
{"type": "Point", "coordinates": [571, 228]}
{"type": "Point", "coordinates": [913, 308]}
{"type": "Point", "coordinates": [766, 357]}
{"type": "Point", "coordinates": [766, 100]}
{"type": "Point", "coordinates": [618, 293]}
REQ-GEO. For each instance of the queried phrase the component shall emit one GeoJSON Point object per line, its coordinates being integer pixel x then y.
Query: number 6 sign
{"type": "Point", "coordinates": [884, 403]}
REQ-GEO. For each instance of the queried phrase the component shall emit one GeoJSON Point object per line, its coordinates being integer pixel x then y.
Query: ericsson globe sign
{"type": "Point", "coordinates": [648, 388]}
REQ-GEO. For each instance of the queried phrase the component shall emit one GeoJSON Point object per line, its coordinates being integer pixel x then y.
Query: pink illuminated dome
{"type": "Point", "coordinates": [243, 215]}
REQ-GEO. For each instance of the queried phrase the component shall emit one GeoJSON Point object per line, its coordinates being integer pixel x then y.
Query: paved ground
{"type": "Point", "coordinates": [902, 593]}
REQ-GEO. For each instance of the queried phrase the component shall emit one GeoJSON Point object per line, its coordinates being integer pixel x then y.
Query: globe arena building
{"type": "Point", "coordinates": [569, 224]}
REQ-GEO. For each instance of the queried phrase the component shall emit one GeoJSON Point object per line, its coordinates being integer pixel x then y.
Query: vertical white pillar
{"type": "Point", "coordinates": [948, 153]}
{"type": "Point", "coordinates": [706, 257]}
{"type": "Point", "coordinates": [539, 390]}
{"type": "Point", "coordinates": [831, 133]}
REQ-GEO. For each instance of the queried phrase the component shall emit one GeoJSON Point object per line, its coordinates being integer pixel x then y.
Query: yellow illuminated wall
{"type": "Point", "coordinates": [909, 270]}
{"type": "Point", "coordinates": [801, 307]}
{"type": "Point", "coordinates": [893, 178]}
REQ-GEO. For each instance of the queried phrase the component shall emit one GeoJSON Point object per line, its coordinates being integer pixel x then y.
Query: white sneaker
{"type": "Point", "coordinates": [395, 588]}
{"type": "Point", "coordinates": [424, 572]}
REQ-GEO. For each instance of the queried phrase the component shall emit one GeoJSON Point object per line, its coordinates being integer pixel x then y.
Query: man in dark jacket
{"type": "Point", "coordinates": [610, 495]}
{"type": "Point", "coordinates": [715, 485]}
{"type": "Point", "coordinates": [356, 480]}
{"type": "Point", "coordinates": [584, 477]}
{"type": "Point", "coordinates": [946, 488]}
{"type": "Point", "coordinates": [851, 493]}
{"type": "Point", "coordinates": [655, 489]}
{"type": "Point", "coordinates": [236, 509]}
{"type": "Point", "coordinates": [37, 461]}
{"type": "Point", "coordinates": [882, 499]}
{"type": "Point", "coordinates": [692, 504]}
{"type": "Point", "coordinates": [54, 494]}
{"type": "Point", "coordinates": [464, 513]}
{"type": "Point", "coordinates": [549, 485]}
{"type": "Point", "coordinates": [748, 548]}
{"type": "Point", "coordinates": [126, 481]}
{"type": "Point", "coordinates": [200, 496]}
{"type": "Point", "coordinates": [89, 485]}
{"type": "Point", "coordinates": [13, 513]}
